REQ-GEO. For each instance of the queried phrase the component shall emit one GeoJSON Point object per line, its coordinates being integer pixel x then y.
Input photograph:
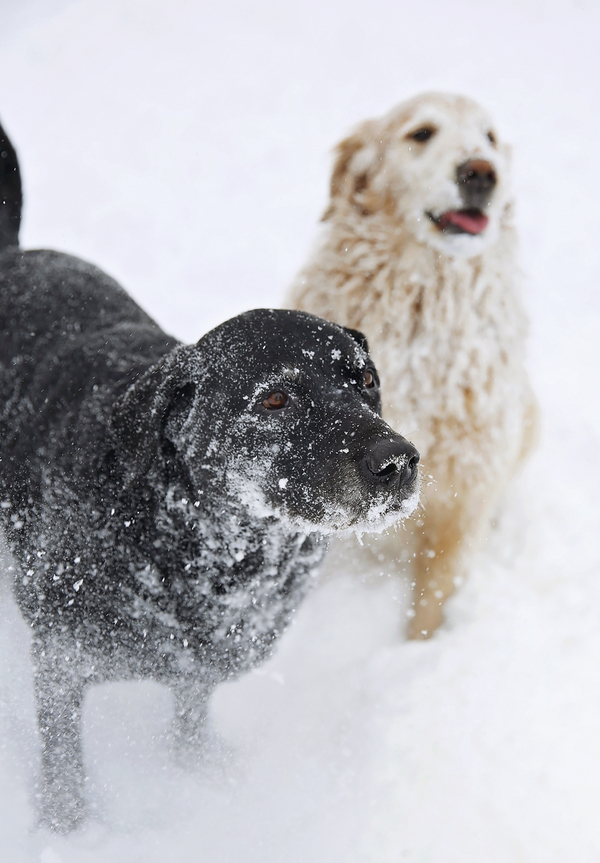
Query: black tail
{"type": "Point", "coordinates": [11, 196]}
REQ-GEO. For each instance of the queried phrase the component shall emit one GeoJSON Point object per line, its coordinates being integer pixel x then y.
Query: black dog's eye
{"type": "Point", "coordinates": [422, 135]}
{"type": "Point", "coordinates": [491, 138]}
{"type": "Point", "coordinates": [275, 401]}
{"type": "Point", "coordinates": [369, 379]}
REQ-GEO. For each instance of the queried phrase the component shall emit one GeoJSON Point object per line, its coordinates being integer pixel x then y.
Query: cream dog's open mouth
{"type": "Point", "coordinates": [471, 221]}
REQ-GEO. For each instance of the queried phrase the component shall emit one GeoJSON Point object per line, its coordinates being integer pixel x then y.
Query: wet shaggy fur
{"type": "Point", "coordinates": [418, 250]}
{"type": "Point", "coordinates": [166, 519]}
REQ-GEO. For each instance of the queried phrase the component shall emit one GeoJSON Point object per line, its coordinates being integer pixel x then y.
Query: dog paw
{"type": "Point", "coordinates": [61, 811]}
{"type": "Point", "coordinates": [202, 750]}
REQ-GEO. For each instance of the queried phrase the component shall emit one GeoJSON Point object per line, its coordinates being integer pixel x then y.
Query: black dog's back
{"type": "Point", "coordinates": [48, 298]}
{"type": "Point", "coordinates": [66, 328]}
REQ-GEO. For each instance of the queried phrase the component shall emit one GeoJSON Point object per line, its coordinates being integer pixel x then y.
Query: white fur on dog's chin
{"type": "Point", "coordinates": [459, 245]}
{"type": "Point", "coordinates": [380, 516]}
{"type": "Point", "coordinates": [378, 521]}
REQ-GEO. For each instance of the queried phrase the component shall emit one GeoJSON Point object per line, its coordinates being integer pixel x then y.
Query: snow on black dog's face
{"type": "Point", "coordinates": [434, 163]}
{"type": "Point", "coordinates": [279, 412]}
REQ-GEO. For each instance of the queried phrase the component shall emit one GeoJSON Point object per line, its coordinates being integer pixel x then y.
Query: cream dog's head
{"type": "Point", "coordinates": [434, 165]}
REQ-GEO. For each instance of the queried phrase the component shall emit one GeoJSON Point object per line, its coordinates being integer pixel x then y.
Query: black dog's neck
{"type": "Point", "coordinates": [11, 198]}
{"type": "Point", "coordinates": [230, 580]}
{"type": "Point", "coordinates": [200, 533]}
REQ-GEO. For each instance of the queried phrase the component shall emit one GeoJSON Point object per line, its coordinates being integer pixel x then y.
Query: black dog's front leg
{"type": "Point", "coordinates": [195, 743]}
{"type": "Point", "coordinates": [191, 712]}
{"type": "Point", "coordinates": [59, 693]}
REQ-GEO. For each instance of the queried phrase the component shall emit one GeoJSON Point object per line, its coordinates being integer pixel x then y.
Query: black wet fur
{"type": "Point", "coordinates": [166, 522]}
{"type": "Point", "coordinates": [11, 198]}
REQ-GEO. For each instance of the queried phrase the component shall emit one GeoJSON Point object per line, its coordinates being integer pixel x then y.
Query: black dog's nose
{"type": "Point", "coordinates": [391, 461]}
{"type": "Point", "coordinates": [476, 179]}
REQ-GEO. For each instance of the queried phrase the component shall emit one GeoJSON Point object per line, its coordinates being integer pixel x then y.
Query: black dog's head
{"type": "Point", "coordinates": [279, 411]}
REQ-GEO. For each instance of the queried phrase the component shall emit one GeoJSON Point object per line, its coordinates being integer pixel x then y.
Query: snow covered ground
{"type": "Point", "coordinates": [183, 147]}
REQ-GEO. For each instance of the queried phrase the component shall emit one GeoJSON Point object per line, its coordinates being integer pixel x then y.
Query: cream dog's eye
{"type": "Point", "coordinates": [422, 135]}
{"type": "Point", "coordinates": [491, 138]}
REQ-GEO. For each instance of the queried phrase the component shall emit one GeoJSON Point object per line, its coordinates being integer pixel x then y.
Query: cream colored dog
{"type": "Point", "coordinates": [418, 252]}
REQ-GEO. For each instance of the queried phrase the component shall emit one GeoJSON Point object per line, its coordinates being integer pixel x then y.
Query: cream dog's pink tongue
{"type": "Point", "coordinates": [471, 221]}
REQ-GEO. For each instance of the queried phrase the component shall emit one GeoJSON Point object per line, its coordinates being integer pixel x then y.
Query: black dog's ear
{"type": "Point", "coordinates": [177, 410]}
{"type": "Point", "coordinates": [152, 410]}
{"type": "Point", "coordinates": [358, 337]}
{"type": "Point", "coordinates": [135, 417]}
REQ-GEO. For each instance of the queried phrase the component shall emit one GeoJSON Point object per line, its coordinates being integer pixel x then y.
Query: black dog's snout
{"type": "Point", "coordinates": [391, 461]}
{"type": "Point", "coordinates": [476, 179]}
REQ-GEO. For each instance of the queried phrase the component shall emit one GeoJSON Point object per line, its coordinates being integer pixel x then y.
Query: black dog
{"type": "Point", "coordinates": [167, 503]}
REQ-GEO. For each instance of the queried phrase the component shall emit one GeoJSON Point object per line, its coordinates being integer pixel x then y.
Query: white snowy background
{"type": "Point", "coordinates": [184, 147]}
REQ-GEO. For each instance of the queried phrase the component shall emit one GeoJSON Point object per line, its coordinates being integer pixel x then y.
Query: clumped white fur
{"type": "Point", "coordinates": [443, 316]}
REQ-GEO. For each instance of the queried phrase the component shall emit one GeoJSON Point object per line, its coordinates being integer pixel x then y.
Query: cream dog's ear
{"type": "Point", "coordinates": [355, 157]}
